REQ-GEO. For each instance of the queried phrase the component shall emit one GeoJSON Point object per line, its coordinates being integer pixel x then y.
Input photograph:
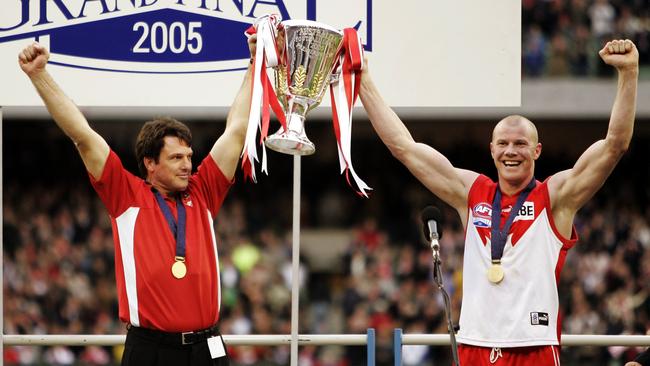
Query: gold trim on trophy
{"type": "Point", "coordinates": [299, 77]}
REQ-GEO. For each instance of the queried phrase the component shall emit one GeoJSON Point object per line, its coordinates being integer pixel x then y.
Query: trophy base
{"type": "Point", "coordinates": [290, 143]}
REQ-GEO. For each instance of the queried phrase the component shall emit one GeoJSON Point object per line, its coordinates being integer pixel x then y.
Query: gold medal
{"type": "Point", "coordinates": [495, 273]}
{"type": "Point", "coordinates": [178, 268]}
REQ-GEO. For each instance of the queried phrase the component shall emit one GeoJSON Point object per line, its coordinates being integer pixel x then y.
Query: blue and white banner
{"type": "Point", "coordinates": [193, 52]}
{"type": "Point", "coordinates": [147, 36]}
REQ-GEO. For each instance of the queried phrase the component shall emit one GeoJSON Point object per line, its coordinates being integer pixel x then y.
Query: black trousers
{"type": "Point", "coordinates": [147, 349]}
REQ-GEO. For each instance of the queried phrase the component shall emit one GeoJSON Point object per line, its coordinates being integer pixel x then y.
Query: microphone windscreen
{"type": "Point", "coordinates": [431, 213]}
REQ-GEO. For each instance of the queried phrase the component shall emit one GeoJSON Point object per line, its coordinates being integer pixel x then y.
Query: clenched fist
{"type": "Point", "coordinates": [33, 59]}
{"type": "Point", "coordinates": [622, 54]}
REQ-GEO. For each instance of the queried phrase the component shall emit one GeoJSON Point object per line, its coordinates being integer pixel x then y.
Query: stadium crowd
{"type": "Point", "coordinates": [561, 37]}
{"type": "Point", "coordinates": [59, 265]}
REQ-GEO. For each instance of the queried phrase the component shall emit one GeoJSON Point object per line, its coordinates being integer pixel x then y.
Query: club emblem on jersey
{"type": "Point", "coordinates": [482, 215]}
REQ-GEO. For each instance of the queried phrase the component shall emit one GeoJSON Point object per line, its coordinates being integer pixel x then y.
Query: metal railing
{"type": "Point", "coordinates": [400, 339]}
{"type": "Point", "coordinates": [367, 339]}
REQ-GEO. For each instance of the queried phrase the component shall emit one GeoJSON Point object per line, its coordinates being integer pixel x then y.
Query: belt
{"type": "Point", "coordinates": [184, 338]}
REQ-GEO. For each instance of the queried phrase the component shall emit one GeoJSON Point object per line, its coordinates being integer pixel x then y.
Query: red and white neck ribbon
{"type": "Point", "coordinates": [263, 95]}
{"type": "Point", "coordinates": [344, 93]}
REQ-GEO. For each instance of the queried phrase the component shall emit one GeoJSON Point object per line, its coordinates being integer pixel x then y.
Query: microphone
{"type": "Point", "coordinates": [432, 224]}
{"type": "Point", "coordinates": [431, 218]}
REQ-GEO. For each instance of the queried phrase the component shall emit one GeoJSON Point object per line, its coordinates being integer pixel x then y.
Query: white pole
{"type": "Point", "coordinates": [295, 261]}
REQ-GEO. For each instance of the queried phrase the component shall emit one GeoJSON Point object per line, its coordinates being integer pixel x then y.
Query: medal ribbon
{"type": "Point", "coordinates": [344, 93]}
{"type": "Point", "coordinates": [177, 229]}
{"type": "Point", "coordinates": [263, 97]}
{"type": "Point", "coordinates": [499, 236]}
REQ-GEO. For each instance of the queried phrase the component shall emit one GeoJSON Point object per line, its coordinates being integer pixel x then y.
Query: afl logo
{"type": "Point", "coordinates": [482, 215]}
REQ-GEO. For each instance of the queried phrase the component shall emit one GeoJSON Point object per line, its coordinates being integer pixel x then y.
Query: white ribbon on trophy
{"type": "Point", "coordinates": [266, 55]}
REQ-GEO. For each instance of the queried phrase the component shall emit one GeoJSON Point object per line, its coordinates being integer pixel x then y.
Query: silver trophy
{"type": "Point", "coordinates": [307, 55]}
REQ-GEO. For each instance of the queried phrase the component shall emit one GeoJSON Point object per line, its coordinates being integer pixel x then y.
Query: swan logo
{"type": "Point", "coordinates": [154, 36]}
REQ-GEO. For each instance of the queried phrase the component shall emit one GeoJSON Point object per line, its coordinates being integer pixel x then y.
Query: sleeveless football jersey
{"type": "Point", "coordinates": [522, 310]}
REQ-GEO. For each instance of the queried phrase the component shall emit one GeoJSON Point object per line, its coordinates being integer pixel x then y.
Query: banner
{"type": "Point", "coordinates": [190, 53]}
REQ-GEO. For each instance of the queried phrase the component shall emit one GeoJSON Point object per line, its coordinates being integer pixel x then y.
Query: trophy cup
{"type": "Point", "coordinates": [308, 52]}
{"type": "Point", "coordinates": [306, 57]}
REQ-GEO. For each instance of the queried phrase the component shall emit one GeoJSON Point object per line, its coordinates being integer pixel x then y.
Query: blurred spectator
{"type": "Point", "coordinates": [534, 52]}
{"type": "Point", "coordinates": [602, 15]}
{"type": "Point", "coordinates": [558, 63]}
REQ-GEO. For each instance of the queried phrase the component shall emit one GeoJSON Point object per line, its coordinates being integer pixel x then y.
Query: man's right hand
{"type": "Point", "coordinates": [33, 59]}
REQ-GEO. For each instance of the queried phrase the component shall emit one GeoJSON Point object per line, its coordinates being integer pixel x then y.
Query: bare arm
{"type": "Point", "coordinates": [228, 147]}
{"type": "Point", "coordinates": [571, 189]}
{"type": "Point", "coordinates": [91, 146]}
{"type": "Point", "coordinates": [427, 164]}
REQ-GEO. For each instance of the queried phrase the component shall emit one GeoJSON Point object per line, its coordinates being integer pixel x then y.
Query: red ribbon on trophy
{"type": "Point", "coordinates": [263, 95]}
{"type": "Point", "coordinates": [344, 93]}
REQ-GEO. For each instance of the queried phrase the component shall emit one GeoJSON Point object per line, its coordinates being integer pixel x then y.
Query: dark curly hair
{"type": "Point", "coordinates": [151, 139]}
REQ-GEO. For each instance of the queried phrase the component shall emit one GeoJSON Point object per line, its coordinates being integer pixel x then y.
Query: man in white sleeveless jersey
{"type": "Point", "coordinates": [518, 229]}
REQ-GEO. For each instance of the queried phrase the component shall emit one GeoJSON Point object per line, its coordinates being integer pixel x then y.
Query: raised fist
{"type": "Point", "coordinates": [33, 59]}
{"type": "Point", "coordinates": [622, 54]}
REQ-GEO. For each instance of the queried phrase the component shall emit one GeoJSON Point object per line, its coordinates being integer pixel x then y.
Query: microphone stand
{"type": "Point", "coordinates": [437, 277]}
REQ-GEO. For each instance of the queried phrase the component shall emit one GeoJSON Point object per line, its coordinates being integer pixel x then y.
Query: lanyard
{"type": "Point", "coordinates": [499, 236]}
{"type": "Point", "coordinates": [178, 230]}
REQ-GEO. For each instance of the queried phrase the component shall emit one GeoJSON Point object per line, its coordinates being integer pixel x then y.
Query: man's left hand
{"type": "Point", "coordinates": [622, 54]}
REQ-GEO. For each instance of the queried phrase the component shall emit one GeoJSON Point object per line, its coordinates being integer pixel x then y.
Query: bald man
{"type": "Point", "coordinates": [518, 229]}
